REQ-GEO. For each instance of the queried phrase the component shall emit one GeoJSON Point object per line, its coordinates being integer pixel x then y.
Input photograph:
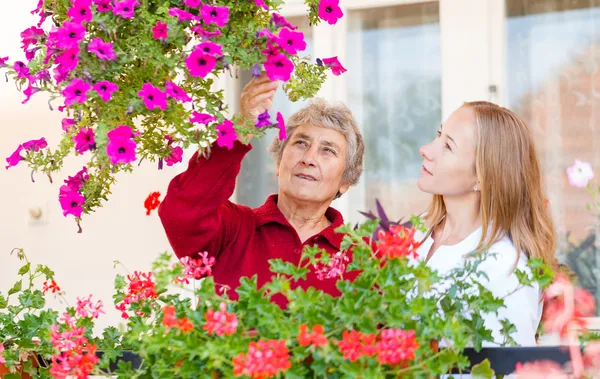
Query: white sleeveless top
{"type": "Point", "coordinates": [522, 308]}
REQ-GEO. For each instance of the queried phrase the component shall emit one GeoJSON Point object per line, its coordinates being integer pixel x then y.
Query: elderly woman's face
{"type": "Point", "coordinates": [312, 164]}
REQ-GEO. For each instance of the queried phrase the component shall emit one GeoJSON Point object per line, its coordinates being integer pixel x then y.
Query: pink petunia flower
{"type": "Point", "coordinates": [281, 126]}
{"type": "Point", "coordinates": [30, 36]}
{"type": "Point", "coordinates": [290, 41]}
{"type": "Point", "coordinates": [176, 156]}
{"type": "Point", "coordinates": [103, 50]}
{"type": "Point", "coordinates": [15, 157]}
{"type": "Point", "coordinates": [182, 15]}
{"type": "Point", "coordinates": [105, 89]}
{"type": "Point", "coordinates": [71, 202]}
{"type": "Point", "coordinates": [84, 140]}
{"type": "Point", "coordinates": [580, 173]}
{"type": "Point", "coordinates": [160, 30]}
{"type": "Point", "coordinates": [281, 22]}
{"type": "Point", "coordinates": [80, 11]}
{"type": "Point", "coordinates": [29, 91]}
{"type": "Point", "coordinates": [121, 150]}
{"type": "Point", "coordinates": [226, 134]}
{"type": "Point", "coordinates": [69, 59]}
{"type": "Point", "coordinates": [21, 69]}
{"type": "Point", "coordinates": [153, 97]}
{"type": "Point", "coordinates": [35, 144]}
{"type": "Point", "coordinates": [261, 4]}
{"type": "Point", "coordinates": [334, 64]}
{"type": "Point", "coordinates": [175, 92]}
{"type": "Point", "coordinates": [330, 11]}
{"type": "Point", "coordinates": [69, 35]}
{"type": "Point", "coordinates": [279, 67]}
{"type": "Point", "coordinates": [67, 124]}
{"type": "Point", "coordinates": [76, 91]}
{"type": "Point", "coordinates": [211, 48]}
{"type": "Point", "coordinates": [192, 3]}
{"type": "Point", "coordinates": [202, 118]}
{"type": "Point", "coordinates": [200, 64]}
{"type": "Point", "coordinates": [216, 15]}
{"type": "Point", "coordinates": [103, 6]}
{"type": "Point", "coordinates": [125, 8]}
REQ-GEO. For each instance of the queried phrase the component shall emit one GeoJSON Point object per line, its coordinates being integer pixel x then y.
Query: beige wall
{"type": "Point", "coordinates": [83, 262]}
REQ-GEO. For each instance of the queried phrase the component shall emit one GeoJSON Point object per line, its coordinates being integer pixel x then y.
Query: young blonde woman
{"type": "Point", "coordinates": [484, 174]}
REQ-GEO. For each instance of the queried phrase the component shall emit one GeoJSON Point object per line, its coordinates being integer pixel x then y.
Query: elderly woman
{"type": "Point", "coordinates": [318, 162]}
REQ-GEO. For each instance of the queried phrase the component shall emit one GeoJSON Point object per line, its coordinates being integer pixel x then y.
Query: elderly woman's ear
{"type": "Point", "coordinates": [257, 97]}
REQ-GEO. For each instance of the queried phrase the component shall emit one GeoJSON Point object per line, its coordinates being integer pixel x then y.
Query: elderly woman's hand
{"type": "Point", "coordinates": [257, 97]}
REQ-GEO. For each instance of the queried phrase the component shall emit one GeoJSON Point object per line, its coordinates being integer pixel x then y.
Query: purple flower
{"type": "Point", "coordinates": [125, 8]}
{"type": "Point", "coordinates": [176, 92]}
{"type": "Point", "coordinates": [35, 144]}
{"type": "Point", "coordinates": [181, 15]}
{"type": "Point", "coordinates": [176, 156]}
{"type": "Point", "coordinates": [216, 15]}
{"type": "Point", "coordinates": [281, 22]}
{"type": "Point", "coordinates": [105, 90]}
{"type": "Point", "coordinates": [330, 11]}
{"type": "Point", "coordinates": [103, 5]}
{"type": "Point", "coordinates": [84, 140]}
{"type": "Point", "coordinates": [279, 67]}
{"type": "Point", "coordinates": [15, 157]}
{"type": "Point", "coordinates": [192, 3]}
{"type": "Point", "coordinates": [71, 202]}
{"type": "Point", "coordinates": [281, 126]}
{"type": "Point", "coordinates": [103, 50]}
{"type": "Point", "coordinates": [202, 118]}
{"type": "Point", "coordinates": [76, 91]}
{"type": "Point", "coordinates": [121, 150]}
{"type": "Point", "coordinates": [160, 30]}
{"type": "Point", "coordinates": [69, 58]}
{"type": "Point", "coordinates": [43, 76]}
{"type": "Point", "coordinates": [30, 36]}
{"type": "Point", "coordinates": [290, 41]}
{"type": "Point", "coordinates": [264, 119]}
{"type": "Point", "coordinates": [200, 64]}
{"type": "Point", "coordinates": [153, 97]}
{"type": "Point", "coordinates": [21, 69]}
{"type": "Point", "coordinates": [30, 91]}
{"type": "Point", "coordinates": [69, 35]}
{"type": "Point", "coordinates": [334, 64]}
{"type": "Point", "coordinates": [211, 48]}
{"type": "Point", "coordinates": [226, 134]}
{"type": "Point", "coordinates": [67, 124]}
{"type": "Point", "coordinates": [256, 70]}
{"type": "Point", "coordinates": [80, 11]}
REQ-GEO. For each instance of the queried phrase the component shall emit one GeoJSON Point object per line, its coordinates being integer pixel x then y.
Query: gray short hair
{"type": "Point", "coordinates": [338, 117]}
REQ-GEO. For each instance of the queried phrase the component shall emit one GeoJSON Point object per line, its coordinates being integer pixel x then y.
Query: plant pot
{"type": "Point", "coordinates": [4, 370]}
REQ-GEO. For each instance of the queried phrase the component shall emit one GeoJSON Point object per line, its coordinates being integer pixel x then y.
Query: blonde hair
{"type": "Point", "coordinates": [337, 117]}
{"type": "Point", "coordinates": [510, 182]}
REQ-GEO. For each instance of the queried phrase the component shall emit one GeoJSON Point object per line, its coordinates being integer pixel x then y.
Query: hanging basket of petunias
{"type": "Point", "coordinates": [134, 80]}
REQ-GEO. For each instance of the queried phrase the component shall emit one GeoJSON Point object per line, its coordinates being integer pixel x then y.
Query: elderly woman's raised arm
{"type": "Point", "coordinates": [196, 213]}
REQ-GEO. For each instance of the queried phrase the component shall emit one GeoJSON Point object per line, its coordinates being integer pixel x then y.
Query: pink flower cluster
{"type": "Point", "coordinates": [86, 308]}
{"type": "Point", "coordinates": [221, 322]}
{"type": "Point", "coordinates": [195, 269]}
{"type": "Point", "coordinates": [141, 289]}
{"type": "Point", "coordinates": [29, 146]}
{"type": "Point", "coordinates": [334, 269]}
{"type": "Point", "coordinates": [70, 197]}
{"type": "Point", "coordinates": [74, 357]}
{"type": "Point", "coordinates": [265, 358]}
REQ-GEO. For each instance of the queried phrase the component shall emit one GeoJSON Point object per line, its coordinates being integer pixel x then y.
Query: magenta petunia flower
{"type": "Point", "coordinates": [69, 35]}
{"type": "Point", "coordinates": [226, 134]}
{"type": "Point", "coordinates": [103, 6]}
{"type": "Point", "coordinates": [30, 36]}
{"type": "Point", "coordinates": [272, 50]}
{"type": "Point", "coordinates": [60, 74]}
{"type": "Point", "coordinates": [15, 157]}
{"type": "Point", "coordinates": [160, 30]}
{"type": "Point", "coordinates": [279, 67]}
{"type": "Point", "coordinates": [192, 3]}
{"type": "Point", "coordinates": [153, 97]}
{"type": "Point", "coordinates": [200, 64]}
{"type": "Point", "coordinates": [30, 54]}
{"type": "Point", "coordinates": [105, 90]}
{"type": "Point", "coordinates": [69, 58]}
{"type": "Point", "coordinates": [103, 50]}
{"type": "Point", "coordinates": [198, 30]}
{"type": "Point", "coordinates": [67, 124]}
{"type": "Point", "coordinates": [3, 62]}
{"type": "Point", "coordinates": [182, 15]}
{"type": "Point", "coordinates": [71, 202]}
{"type": "Point", "coordinates": [330, 11]}
{"type": "Point", "coordinates": [125, 8]}
{"type": "Point", "coordinates": [281, 126]}
{"type": "Point", "coordinates": [121, 150]}
{"type": "Point", "coordinates": [266, 33]}
{"type": "Point", "coordinates": [216, 15]}
{"type": "Point", "coordinates": [35, 144]}
{"type": "Point", "coordinates": [176, 156]}
{"type": "Point", "coordinates": [122, 131]}
{"type": "Point", "coordinates": [84, 140]}
{"type": "Point", "coordinates": [76, 91]}
{"type": "Point", "coordinates": [74, 183]}
{"type": "Point", "coordinates": [264, 119]}
{"type": "Point", "coordinates": [211, 48]}
{"type": "Point", "coordinates": [290, 41]}
{"type": "Point", "coordinates": [334, 64]}
{"type": "Point", "coordinates": [174, 91]}
{"type": "Point", "coordinates": [21, 69]}
{"type": "Point", "coordinates": [202, 118]}
{"type": "Point", "coordinates": [29, 91]}
{"type": "Point", "coordinates": [281, 22]}
{"type": "Point", "coordinates": [42, 76]}
{"type": "Point", "coordinates": [80, 11]}
{"type": "Point", "coordinates": [261, 4]}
